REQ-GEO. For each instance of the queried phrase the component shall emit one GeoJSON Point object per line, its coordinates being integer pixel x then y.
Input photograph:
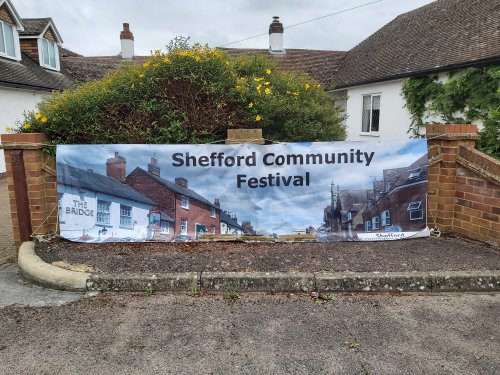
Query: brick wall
{"type": "Point", "coordinates": [464, 184]}
{"type": "Point", "coordinates": [33, 200]}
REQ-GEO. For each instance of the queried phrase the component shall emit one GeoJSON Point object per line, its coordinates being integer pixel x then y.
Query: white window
{"type": "Point", "coordinates": [375, 222]}
{"type": "Point", "coordinates": [184, 202]}
{"type": "Point", "coordinates": [371, 113]}
{"type": "Point", "coordinates": [103, 214]}
{"type": "Point", "coordinates": [7, 45]}
{"type": "Point", "coordinates": [368, 226]}
{"type": "Point", "coordinates": [415, 175]}
{"type": "Point", "coordinates": [213, 213]}
{"type": "Point", "coordinates": [184, 226]}
{"type": "Point", "coordinates": [415, 210]}
{"type": "Point", "coordinates": [165, 227]}
{"type": "Point", "coordinates": [386, 218]}
{"type": "Point", "coordinates": [349, 215]}
{"type": "Point", "coordinates": [125, 216]}
{"type": "Point", "coordinates": [49, 59]}
{"type": "Point", "coordinates": [212, 229]}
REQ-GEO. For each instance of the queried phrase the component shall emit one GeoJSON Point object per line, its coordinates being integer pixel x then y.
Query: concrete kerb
{"type": "Point", "coordinates": [35, 270]}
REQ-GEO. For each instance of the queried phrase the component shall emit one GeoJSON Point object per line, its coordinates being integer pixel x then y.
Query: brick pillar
{"type": "Point", "coordinates": [32, 185]}
{"type": "Point", "coordinates": [443, 142]}
{"type": "Point", "coordinates": [236, 136]}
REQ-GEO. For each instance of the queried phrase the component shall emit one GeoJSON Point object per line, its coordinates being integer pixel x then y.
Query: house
{"type": "Point", "coordinates": [344, 215]}
{"type": "Point", "coordinates": [30, 67]}
{"type": "Point", "coordinates": [441, 37]}
{"type": "Point", "coordinates": [398, 203]}
{"type": "Point", "coordinates": [228, 221]}
{"type": "Point", "coordinates": [191, 213]}
{"type": "Point", "coordinates": [96, 208]}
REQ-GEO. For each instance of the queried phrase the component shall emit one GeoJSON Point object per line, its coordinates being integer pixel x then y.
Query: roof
{"type": "Point", "coordinates": [86, 179]}
{"type": "Point", "coordinates": [352, 200]}
{"type": "Point", "coordinates": [420, 165]}
{"type": "Point", "coordinates": [165, 217]}
{"type": "Point", "coordinates": [225, 218]}
{"type": "Point", "coordinates": [441, 36]}
{"type": "Point", "coordinates": [34, 26]}
{"type": "Point", "coordinates": [28, 73]}
{"type": "Point", "coordinates": [318, 64]}
{"type": "Point", "coordinates": [177, 188]}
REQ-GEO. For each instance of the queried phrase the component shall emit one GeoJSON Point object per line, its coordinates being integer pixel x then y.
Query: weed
{"type": "Point", "coordinates": [354, 345]}
{"type": "Point", "coordinates": [320, 299]}
{"type": "Point", "coordinates": [193, 291]}
{"type": "Point", "coordinates": [149, 290]}
{"type": "Point", "coordinates": [232, 294]}
{"type": "Point", "coordinates": [11, 259]}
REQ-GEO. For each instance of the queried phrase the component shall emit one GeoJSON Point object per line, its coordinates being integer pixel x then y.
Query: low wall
{"type": "Point", "coordinates": [464, 184]}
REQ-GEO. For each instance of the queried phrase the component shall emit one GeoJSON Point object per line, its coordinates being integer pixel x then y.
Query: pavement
{"type": "Point", "coordinates": [35, 270]}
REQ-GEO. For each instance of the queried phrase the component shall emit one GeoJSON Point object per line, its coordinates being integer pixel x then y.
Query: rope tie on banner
{"type": "Point", "coordinates": [46, 237]}
{"type": "Point", "coordinates": [435, 232]}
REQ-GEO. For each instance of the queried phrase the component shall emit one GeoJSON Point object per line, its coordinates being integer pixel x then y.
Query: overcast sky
{"type": "Point", "coordinates": [92, 27]}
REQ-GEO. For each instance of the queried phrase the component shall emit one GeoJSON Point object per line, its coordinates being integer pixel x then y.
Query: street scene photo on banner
{"type": "Point", "coordinates": [331, 191]}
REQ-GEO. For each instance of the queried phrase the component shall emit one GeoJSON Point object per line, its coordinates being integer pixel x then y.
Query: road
{"type": "Point", "coordinates": [255, 334]}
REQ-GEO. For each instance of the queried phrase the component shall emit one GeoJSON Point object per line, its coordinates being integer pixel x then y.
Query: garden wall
{"type": "Point", "coordinates": [464, 184]}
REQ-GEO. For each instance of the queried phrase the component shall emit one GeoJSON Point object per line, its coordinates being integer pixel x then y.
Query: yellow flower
{"type": "Point", "coordinates": [268, 71]}
{"type": "Point", "coordinates": [26, 126]}
{"type": "Point", "coordinates": [7, 129]}
{"type": "Point", "coordinates": [306, 86]}
{"type": "Point", "coordinates": [267, 83]}
{"type": "Point", "coordinates": [258, 118]}
{"type": "Point", "coordinates": [44, 119]}
{"type": "Point", "coordinates": [146, 64]}
{"type": "Point", "coordinates": [38, 115]}
{"type": "Point", "coordinates": [238, 88]}
{"type": "Point", "coordinates": [258, 79]}
{"type": "Point", "coordinates": [141, 75]}
{"type": "Point", "coordinates": [197, 58]}
{"type": "Point", "coordinates": [250, 105]}
{"type": "Point", "coordinates": [259, 87]}
{"type": "Point", "coordinates": [267, 91]}
{"type": "Point", "coordinates": [166, 60]}
{"type": "Point", "coordinates": [318, 86]}
{"type": "Point", "coordinates": [156, 65]}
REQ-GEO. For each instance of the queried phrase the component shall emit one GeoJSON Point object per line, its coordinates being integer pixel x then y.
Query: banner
{"type": "Point", "coordinates": [327, 191]}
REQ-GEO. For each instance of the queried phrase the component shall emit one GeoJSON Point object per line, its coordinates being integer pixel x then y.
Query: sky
{"type": "Point", "coordinates": [92, 27]}
{"type": "Point", "coordinates": [270, 209]}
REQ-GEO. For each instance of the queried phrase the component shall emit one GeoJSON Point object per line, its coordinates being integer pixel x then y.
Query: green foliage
{"type": "Point", "coordinates": [469, 95]}
{"type": "Point", "coordinates": [191, 94]}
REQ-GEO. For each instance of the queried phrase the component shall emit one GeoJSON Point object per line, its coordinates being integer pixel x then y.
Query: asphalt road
{"type": "Point", "coordinates": [255, 334]}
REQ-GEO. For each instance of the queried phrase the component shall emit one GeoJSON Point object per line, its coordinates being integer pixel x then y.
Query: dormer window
{"type": "Point", "coordinates": [7, 45]}
{"type": "Point", "coordinates": [49, 59]}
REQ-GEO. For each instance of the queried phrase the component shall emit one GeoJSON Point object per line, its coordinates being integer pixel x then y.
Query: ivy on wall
{"type": "Point", "coordinates": [469, 95]}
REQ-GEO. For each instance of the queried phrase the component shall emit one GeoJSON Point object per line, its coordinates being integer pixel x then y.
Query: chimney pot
{"type": "Point", "coordinates": [181, 181]}
{"type": "Point", "coordinates": [153, 167]}
{"type": "Point", "coordinates": [127, 42]}
{"type": "Point", "coordinates": [276, 37]}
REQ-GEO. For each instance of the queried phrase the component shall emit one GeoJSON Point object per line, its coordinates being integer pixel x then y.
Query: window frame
{"type": "Point", "coordinates": [164, 229]}
{"type": "Point", "coordinates": [98, 211]}
{"type": "Point", "coordinates": [124, 224]}
{"type": "Point", "coordinates": [4, 53]}
{"type": "Point", "coordinates": [375, 223]}
{"type": "Point", "coordinates": [414, 208]}
{"type": "Point", "coordinates": [185, 202]}
{"type": "Point", "coordinates": [213, 212]}
{"type": "Point", "coordinates": [368, 226]}
{"type": "Point", "coordinates": [369, 130]}
{"type": "Point", "coordinates": [386, 218]}
{"type": "Point", "coordinates": [184, 226]}
{"type": "Point", "coordinates": [55, 52]}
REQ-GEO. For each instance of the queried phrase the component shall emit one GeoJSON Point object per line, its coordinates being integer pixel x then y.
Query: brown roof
{"type": "Point", "coordinates": [34, 26]}
{"type": "Point", "coordinates": [440, 36]}
{"type": "Point", "coordinates": [29, 73]}
{"type": "Point", "coordinates": [318, 64]}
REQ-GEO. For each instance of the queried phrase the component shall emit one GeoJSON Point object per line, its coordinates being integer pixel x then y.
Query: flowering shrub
{"type": "Point", "coordinates": [191, 94]}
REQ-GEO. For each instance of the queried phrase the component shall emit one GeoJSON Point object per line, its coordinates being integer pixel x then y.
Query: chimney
{"type": "Point", "coordinates": [153, 167]}
{"type": "Point", "coordinates": [127, 42]}
{"type": "Point", "coordinates": [217, 202]}
{"type": "Point", "coordinates": [116, 167]}
{"type": "Point", "coordinates": [276, 37]}
{"type": "Point", "coordinates": [181, 181]}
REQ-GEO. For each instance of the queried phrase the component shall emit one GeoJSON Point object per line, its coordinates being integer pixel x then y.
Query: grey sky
{"type": "Point", "coordinates": [92, 27]}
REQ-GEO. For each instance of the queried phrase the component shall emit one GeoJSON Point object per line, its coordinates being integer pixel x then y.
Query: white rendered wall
{"type": "Point", "coordinates": [394, 117]}
{"type": "Point", "coordinates": [13, 103]}
{"type": "Point", "coordinates": [83, 220]}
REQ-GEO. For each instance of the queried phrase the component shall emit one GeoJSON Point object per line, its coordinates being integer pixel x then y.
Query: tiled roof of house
{"type": "Point", "coordinates": [178, 188]}
{"type": "Point", "coordinates": [34, 26]}
{"type": "Point", "coordinates": [352, 200]}
{"type": "Point", "coordinates": [225, 218]}
{"type": "Point", "coordinates": [318, 64]}
{"type": "Point", "coordinates": [28, 73]}
{"type": "Point", "coordinates": [440, 36]}
{"type": "Point", "coordinates": [85, 179]}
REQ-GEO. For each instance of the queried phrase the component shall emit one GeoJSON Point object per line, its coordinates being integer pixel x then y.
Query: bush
{"type": "Point", "coordinates": [191, 94]}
